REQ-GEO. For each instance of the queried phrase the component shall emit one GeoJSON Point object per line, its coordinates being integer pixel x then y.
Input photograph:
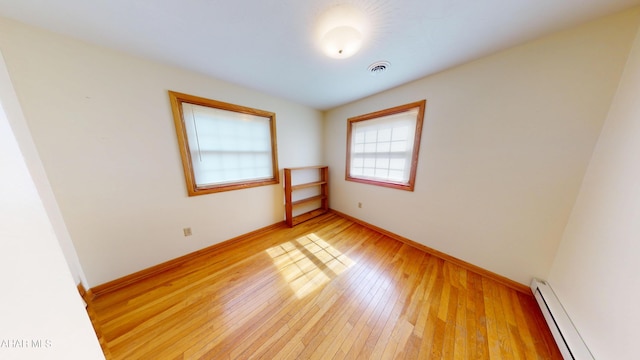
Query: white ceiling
{"type": "Point", "coordinates": [270, 45]}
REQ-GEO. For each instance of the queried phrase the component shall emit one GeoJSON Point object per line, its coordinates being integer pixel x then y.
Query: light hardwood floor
{"type": "Point", "coordinates": [326, 289]}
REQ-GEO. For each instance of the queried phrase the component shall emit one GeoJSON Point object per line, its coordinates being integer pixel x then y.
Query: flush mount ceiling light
{"type": "Point", "coordinates": [340, 31]}
{"type": "Point", "coordinates": [341, 42]}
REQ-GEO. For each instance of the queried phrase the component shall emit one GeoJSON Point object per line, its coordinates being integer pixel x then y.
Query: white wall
{"type": "Point", "coordinates": [596, 271]}
{"type": "Point", "coordinates": [505, 144]}
{"type": "Point", "coordinates": [101, 121]}
{"type": "Point", "coordinates": [42, 314]}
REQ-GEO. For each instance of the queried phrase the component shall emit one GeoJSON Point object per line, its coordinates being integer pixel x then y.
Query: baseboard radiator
{"type": "Point", "coordinates": [564, 332]}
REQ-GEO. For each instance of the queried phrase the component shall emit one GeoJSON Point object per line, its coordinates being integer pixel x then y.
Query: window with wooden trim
{"type": "Point", "coordinates": [224, 146]}
{"type": "Point", "coordinates": [383, 147]}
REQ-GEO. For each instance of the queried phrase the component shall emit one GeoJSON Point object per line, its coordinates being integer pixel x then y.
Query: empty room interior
{"type": "Point", "coordinates": [420, 179]}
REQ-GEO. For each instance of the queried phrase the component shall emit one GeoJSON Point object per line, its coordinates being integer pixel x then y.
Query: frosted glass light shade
{"type": "Point", "coordinates": [341, 42]}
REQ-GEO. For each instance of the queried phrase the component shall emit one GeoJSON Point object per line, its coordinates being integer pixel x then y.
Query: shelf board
{"type": "Point", "coordinates": [307, 167]}
{"type": "Point", "coordinates": [307, 185]}
{"type": "Point", "coordinates": [309, 199]}
{"type": "Point", "coordinates": [306, 216]}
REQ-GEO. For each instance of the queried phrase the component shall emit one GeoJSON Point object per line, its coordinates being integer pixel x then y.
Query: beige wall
{"type": "Point", "coordinates": [40, 305]}
{"type": "Point", "coordinates": [595, 273]}
{"type": "Point", "coordinates": [505, 145]}
{"type": "Point", "coordinates": [101, 121]}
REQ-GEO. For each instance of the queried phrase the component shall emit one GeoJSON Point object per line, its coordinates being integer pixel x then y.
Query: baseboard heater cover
{"type": "Point", "coordinates": [564, 332]}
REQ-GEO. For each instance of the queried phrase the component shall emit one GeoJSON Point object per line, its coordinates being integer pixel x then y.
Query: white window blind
{"type": "Point", "coordinates": [227, 146]}
{"type": "Point", "coordinates": [382, 148]}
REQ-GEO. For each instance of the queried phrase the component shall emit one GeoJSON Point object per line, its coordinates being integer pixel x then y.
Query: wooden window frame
{"type": "Point", "coordinates": [193, 189]}
{"type": "Point", "coordinates": [410, 185]}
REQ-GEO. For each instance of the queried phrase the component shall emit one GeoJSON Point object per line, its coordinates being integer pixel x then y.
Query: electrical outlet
{"type": "Point", "coordinates": [360, 205]}
{"type": "Point", "coordinates": [187, 231]}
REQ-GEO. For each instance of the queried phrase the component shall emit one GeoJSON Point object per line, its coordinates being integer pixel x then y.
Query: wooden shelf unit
{"type": "Point", "coordinates": [322, 197]}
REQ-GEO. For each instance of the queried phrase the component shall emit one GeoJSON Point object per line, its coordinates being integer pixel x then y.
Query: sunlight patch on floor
{"type": "Point", "coordinates": [308, 263]}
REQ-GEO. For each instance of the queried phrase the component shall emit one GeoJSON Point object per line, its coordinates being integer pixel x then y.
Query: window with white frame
{"type": "Point", "coordinates": [224, 146]}
{"type": "Point", "coordinates": [382, 147]}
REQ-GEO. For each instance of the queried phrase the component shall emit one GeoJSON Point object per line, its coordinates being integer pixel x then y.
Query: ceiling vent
{"type": "Point", "coordinates": [379, 67]}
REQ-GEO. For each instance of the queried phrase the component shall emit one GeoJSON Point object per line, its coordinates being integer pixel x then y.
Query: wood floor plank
{"type": "Point", "coordinates": [460, 334]}
{"type": "Point", "coordinates": [326, 289]}
{"type": "Point", "coordinates": [478, 343]}
{"type": "Point", "coordinates": [432, 307]}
